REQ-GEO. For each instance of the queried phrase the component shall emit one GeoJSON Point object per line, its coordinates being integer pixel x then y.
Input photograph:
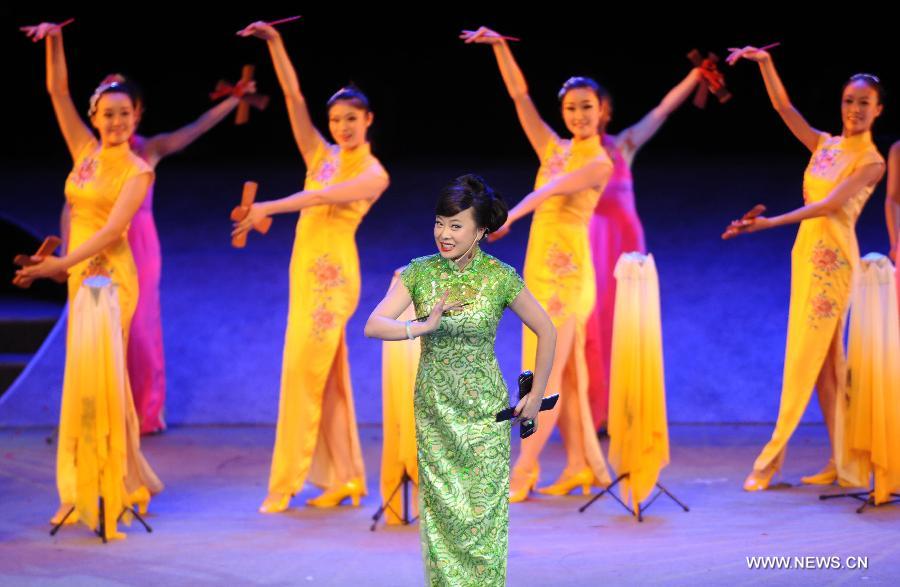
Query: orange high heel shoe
{"type": "Point", "coordinates": [333, 497]}
{"type": "Point", "coordinates": [565, 484]}
{"type": "Point", "coordinates": [275, 503]}
{"type": "Point", "coordinates": [826, 476]}
{"type": "Point", "coordinates": [759, 480]}
{"type": "Point", "coordinates": [518, 492]}
{"type": "Point", "coordinates": [140, 498]}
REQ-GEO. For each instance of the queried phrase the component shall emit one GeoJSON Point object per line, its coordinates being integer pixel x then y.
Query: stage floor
{"type": "Point", "coordinates": [206, 530]}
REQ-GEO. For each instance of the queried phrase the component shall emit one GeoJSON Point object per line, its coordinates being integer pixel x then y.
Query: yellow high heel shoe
{"type": "Point", "coordinates": [759, 480]}
{"type": "Point", "coordinates": [65, 508]}
{"type": "Point", "coordinates": [826, 476]}
{"type": "Point", "coordinates": [565, 484]}
{"type": "Point", "coordinates": [275, 503]}
{"type": "Point", "coordinates": [140, 499]}
{"type": "Point", "coordinates": [333, 497]}
{"type": "Point", "coordinates": [518, 492]}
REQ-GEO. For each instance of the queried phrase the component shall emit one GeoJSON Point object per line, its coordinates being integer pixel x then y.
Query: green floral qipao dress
{"type": "Point", "coordinates": [463, 453]}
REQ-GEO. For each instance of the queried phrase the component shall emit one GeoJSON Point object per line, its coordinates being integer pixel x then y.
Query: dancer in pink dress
{"type": "Point", "coordinates": [146, 361]}
{"type": "Point", "coordinates": [615, 229]}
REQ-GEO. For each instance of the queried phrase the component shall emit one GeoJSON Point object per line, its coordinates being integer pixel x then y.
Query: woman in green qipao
{"type": "Point", "coordinates": [463, 453]}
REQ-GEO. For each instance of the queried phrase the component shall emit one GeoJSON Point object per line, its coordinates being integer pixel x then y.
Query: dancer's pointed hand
{"type": "Point", "coordinates": [259, 29]}
{"type": "Point", "coordinates": [749, 52]}
{"type": "Point", "coordinates": [482, 35]}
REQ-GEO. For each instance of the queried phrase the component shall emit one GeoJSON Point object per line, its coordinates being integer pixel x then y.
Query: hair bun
{"type": "Point", "coordinates": [475, 184]}
{"type": "Point", "coordinates": [499, 213]}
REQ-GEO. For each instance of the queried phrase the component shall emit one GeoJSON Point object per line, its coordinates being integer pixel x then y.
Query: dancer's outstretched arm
{"type": "Point", "coordinates": [306, 135]}
{"type": "Point", "coordinates": [539, 132]}
{"type": "Point", "coordinates": [801, 129]}
{"type": "Point", "coordinates": [75, 131]}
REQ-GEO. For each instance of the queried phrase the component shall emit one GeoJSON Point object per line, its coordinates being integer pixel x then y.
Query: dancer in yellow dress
{"type": "Point", "coordinates": [840, 177]}
{"type": "Point", "coordinates": [146, 359]}
{"type": "Point", "coordinates": [316, 436]}
{"type": "Point", "coordinates": [558, 265]}
{"type": "Point", "coordinates": [104, 190]}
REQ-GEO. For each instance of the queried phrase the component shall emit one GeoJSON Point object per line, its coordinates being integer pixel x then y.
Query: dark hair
{"type": "Point", "coordinates": [870, 80]}
{"type": "Point", "coordinates": [350, 94]}
{"type": "Point", "coordinates": [578, 81]}
{"type": "Point", "coordinates": [116, 83]}
{"type": "Point", "coordinates": [471, 191]}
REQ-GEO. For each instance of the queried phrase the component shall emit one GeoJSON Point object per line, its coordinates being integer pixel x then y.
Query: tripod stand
{"type": "Point", "coordinates": [866, 497]}
{"type": "Point", "coordinates": [638, 510]}
{"type": "Point", "coordinates": [405, 519]}
{"type": "Point", "coordinates": [101, 528]}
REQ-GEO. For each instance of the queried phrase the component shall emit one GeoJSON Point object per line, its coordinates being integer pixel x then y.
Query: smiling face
{"type": "Point", "coordinates": [859, 107]}
{"type": "Point", "coordinates": [348, 124]}
{"type": "Point", "coordinates": [455, 235]}
{"type": "Point", "coordinates": [115, 118]}
{"type": "Point", "coordinates": [582, 112]}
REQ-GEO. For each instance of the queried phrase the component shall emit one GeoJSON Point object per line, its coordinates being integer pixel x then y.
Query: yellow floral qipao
{"type": "Point", "coordinates": [823, 260]}
{"type": "Point", "coordinates": [99, 435]}
{"type": "Point", "coordinates": [559, 271]}
{"type": "Point", "coordinates": [324, 292]}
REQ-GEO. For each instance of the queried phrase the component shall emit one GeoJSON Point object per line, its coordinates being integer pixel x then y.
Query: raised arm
{"type": "Point", "coordinates": [75, 132]}
{"type": "Point", "coordinates": [164, 144]}
{"type": "Point", "coordinates": [801, 129]}
{"type": "Point", "coordinates": [634, 137]}
{"type": "Point", "coordinates": [305, 133]}
{"type": "Point", "coordinates": [538, 132]}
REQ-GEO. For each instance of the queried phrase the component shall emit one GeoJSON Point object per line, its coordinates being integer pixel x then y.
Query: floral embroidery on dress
{"type": "Point", "coordinates": [826, 262]}
{"type": "Point", "coordinates": [323, 319]}
{"type": "Point", "coordinates": [823, 161]}
{"type": "Point", "coordinates": [823, 306]}
{"type": "Point", "coordinates": [556, 162]}
{"type": "Point", "coordinates": [555, 306]}
{"type": "Point", "coordinates": [826, 259]}
{"type": "Point", "coordinates": [85, 171]}
{"type": "Point", "coordinates": [328, 275]}
{"type": "Point", "coordinates": [327, 169]}
{"type": "Point", "coordinates": [97, 265]}
{"type": "Point", "coordinates": [560, 262]}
